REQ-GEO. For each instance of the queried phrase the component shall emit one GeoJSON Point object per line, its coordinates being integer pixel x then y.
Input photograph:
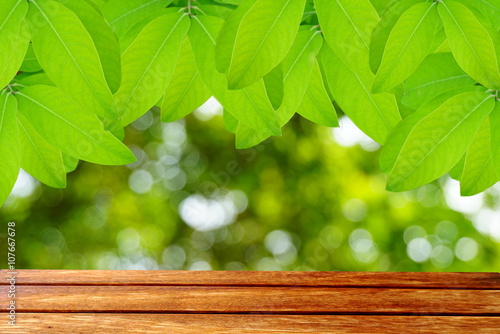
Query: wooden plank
{"type": "Point", "coordinates": [286, 300]}
{"type": "Point", "coordinates": [242, 324]}
{"type": "Point", "coordinates": [418, 280]}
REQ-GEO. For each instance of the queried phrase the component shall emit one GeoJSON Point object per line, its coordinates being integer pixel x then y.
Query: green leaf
{"type": "Point", "coordinates": [387, 158]}
{"type": "Point", "coordinates": [264, 35]}
{"type": "Point", "coordinates": [396, 143]}
{"type": "Point", "coordinates": [247, 137]}
{"type": "Point", "coordinates": [473, 46]}
{"type": "Point", "coordinates": [383, 6]}
{"type": "Point", "coordinates": [479, 173]}
{"type": "Point", "coordinates": [489, 8]}
{"type": "Point", "coordinates": [438, 73]}
{"type": "Point", "coordinates": [123, 14]}
{"type": "Point", "coordinates": [10, 150]}
{"type": "Point", "coordinates": [104, 39]}
{"type": "Point", "coordinates": [347, 26]}
{"type": "Point", "coordinates": [404, 110]}
{"type": "Point", "coordinates": [435, 141]}
{"type": "Point", "coordinates": [274, 86]}
{"type": "Point", "coordinates": [79, 133]}
{"type": "Point", "coordinates": [35, 79]}
{"type": "Point", "coordinates": [296, 67]}
{"type": "Point", "coordinates": [383, 29]}
{"type": "Point", "coordinates": [67, 54]}
{"type": "Point", "coordinates": [148, 65]}
{"type": "Point", "coordinates": [40, 159]}
{"type": "Point", "coordinates": [457, 171]}
{"type": "Point", "coordinates": [97, 4]}
{"type": "Point", "coordinates": [249, 105]}
{"type": "Point", "coordinates": [14, 38]}
{"type": "Point", "coordinates": [232, 2]}
{"type": "Point", "coordinates": [409, 43]}
{"type": "Point", "coordinates": [230, 122]}
{"type": "Point", "coordinates": [30, 63]}
{"type": "Point", "coordinates": [70, 163]}
{"type": "Point", "coordinates": [186, 90]}
{"type": "Point", "coordinates": [136, 29]}
{"type": "Point", "coordinates": [444, 47]}
{"type": "Point", "coordinates": [225, 39]}
{"type": "Point", "coordinates": [316, 105]}
{"type": "Point", "coordinates": [211, 10]}
{"type": "Point", "coordinates": [495, 136]}
{"type": "Point", "coordinates": [374, 114]}
{"type": "Point", "coordinates": [119, 133]}
{"type": "Point", "coordinates": [440, 43]}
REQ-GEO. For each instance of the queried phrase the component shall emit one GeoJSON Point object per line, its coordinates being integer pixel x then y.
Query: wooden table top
{"type": "Point", "coordinates": [88, 301]}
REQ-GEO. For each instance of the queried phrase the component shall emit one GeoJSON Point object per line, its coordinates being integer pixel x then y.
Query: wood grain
{"type": "Point", "coordinates": [69, 301]}
{"type": "Point", "coordinates": [253, 299]}
{"type": "Point", "coordinates": [418, 280]}
{"type": "Point", "coordinates": [243, 324]}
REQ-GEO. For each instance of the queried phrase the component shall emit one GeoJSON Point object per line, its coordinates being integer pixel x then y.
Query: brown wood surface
{"type": "Point", "coordinates": [253, 299]}
{"type": "Point", "coordinates": [244, 324]}
{"type": "Point", "coordinates": [66, 301]}
{"type": "Point", "coordinates": [258, 278]}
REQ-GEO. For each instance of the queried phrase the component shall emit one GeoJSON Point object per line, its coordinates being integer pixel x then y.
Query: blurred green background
{"type": "Point", "coordinates": [313, 199]}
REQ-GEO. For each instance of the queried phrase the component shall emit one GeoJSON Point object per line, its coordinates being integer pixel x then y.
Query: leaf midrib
{"type": "Point", "coordinates": [76, 63]}
{"type": "Point", "coordinates": [266, 121]}
{"type": "Point", "coordinates": [478, 177]}
{"type": "Point", "coordinates": [437, 81]}
{"type": "Point", "coordinates": [244, 89]}
{"type": "Point", "coordinates": [15, 44]}
{"type": "Point", "coordinates": [150, 64]}
{"type": "Point", "coordinates": [54, 177]}
{"type": "Point", "coordinates": [10, 14]}
{"type": "Point", "coordinates": [74, 126]}
{"type": "Point", "coordinates": [352, 23]}
{"type": "Point", "coordinates": [325, 115]}
{"type": "Point", "coordinates": [184, 93]}
{"type": "Point", "coordinates": [418, 26]}
{"type": "Point", "coordinates": [389, 127]}
{"type": "Point", "coordinates": [260, 45]}
{"type": "Point", "coordinates": [299, 56]}
{"type": "Point", "coordinates": [435, 146]}
{"type": "Point", "coordinates": [470, 45]}
{"type": "Point", "coordinates": [132, 11]}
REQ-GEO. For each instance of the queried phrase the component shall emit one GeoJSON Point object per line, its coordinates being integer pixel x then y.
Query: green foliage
{"type": "Point", "coordinates": [475, 47]}
{"type": "Point", "coordinates": [431, 141]}
{"type": "Point", "coordinates": [13, 38]}
{"type": "Point", "coordinates": [186, 90]}
{"type": "Point", "coordinates": [9, 144]}
{"type": "Point", "coordinates": [80, 133]}
{"type": "Point", "coordinates": [148, 65]}
{"type": "Point", "coordinates": [438, 73]}
{"type": "Point", "coordinates": [41, 159]}
{"type": "Point", "coordinates": [408, 44]}
{"type": "Point", "coordinates": [104, 40]}
{"type": "Point", "coordinates": [478, 170]}
{"type": "Point", "coordinates": [256, 38]}
{"type": "Point", "coordinates": [68, 56]}
{"type": "Point", "coordinates": [96, 66]}
{"type": "Point", "coordinates": [374, 114]}
{"type": "Point", "coordinates": [250, 105]}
